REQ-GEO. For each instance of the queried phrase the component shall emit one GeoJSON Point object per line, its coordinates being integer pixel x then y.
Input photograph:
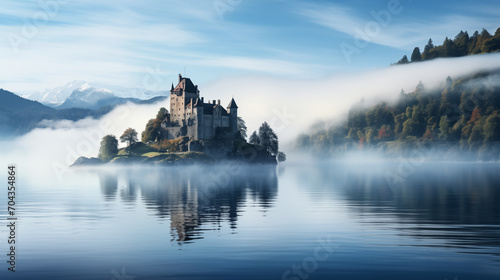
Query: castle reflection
{"type": "Point", "coordinates": [194, 199]}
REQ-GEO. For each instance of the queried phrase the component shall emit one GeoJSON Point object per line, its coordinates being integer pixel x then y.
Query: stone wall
{"type": "Point", "coordinates": [175, 132]}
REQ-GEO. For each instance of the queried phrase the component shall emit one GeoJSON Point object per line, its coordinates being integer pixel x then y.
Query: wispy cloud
{"type": "Point", "coordinates": [398, 31]}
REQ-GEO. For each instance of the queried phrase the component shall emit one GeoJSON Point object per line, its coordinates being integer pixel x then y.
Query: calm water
{"type": "Point", "coordinates": [318, 221]}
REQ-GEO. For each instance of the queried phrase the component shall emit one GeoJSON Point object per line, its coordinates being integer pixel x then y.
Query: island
{"type": "Point", "coordinates": [192, 132]}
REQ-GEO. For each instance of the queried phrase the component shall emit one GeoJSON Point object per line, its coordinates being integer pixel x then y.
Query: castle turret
{"type": "Point", "coordinates": [232, 110]}
{"type": "Point", "coordinates": [191, 116]}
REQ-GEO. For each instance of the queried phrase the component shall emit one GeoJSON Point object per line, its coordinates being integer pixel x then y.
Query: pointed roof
{"type": "Point", "coordinates": [232, 104]}
{"type": "Point", "coordinates": [185, 84]}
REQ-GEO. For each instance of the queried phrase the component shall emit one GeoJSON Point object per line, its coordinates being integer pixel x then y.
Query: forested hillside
{"type": "Point", "coordinates": [461, 118]}
{"type": "Point", "coordinates": [462, 45]}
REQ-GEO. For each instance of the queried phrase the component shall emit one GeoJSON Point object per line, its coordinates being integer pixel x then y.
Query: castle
{"type": "Point", "coordinates": [190, 116]}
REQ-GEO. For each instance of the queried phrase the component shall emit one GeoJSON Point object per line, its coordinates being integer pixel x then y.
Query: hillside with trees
{"type": "Point", "coordinates": [461, 119]}
{"type": "Point", "coordinates": [19, 115]}
{"type": "Point", "coordinates": [461, 45]}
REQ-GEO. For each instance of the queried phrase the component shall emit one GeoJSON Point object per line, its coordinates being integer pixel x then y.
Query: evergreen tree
{"type": "Point", "coordinates": [427, 49]}
{"type": "Point", "coordinates": [242, 127]}
{"type": "Point", "coordinates": [403, 60]}
{"type": "Point", "coordinates": [462, 43]}
{"type": "Point", "coordinates": [268, 139]}
{"type": "Point", "coordinates": [447, 47]}
{"type": "Point", "coordinates": [109, 147]}
{"type": "Point", "coordinates": [416, 56]}
{"type": "Point", "coordinates": [254, 139]}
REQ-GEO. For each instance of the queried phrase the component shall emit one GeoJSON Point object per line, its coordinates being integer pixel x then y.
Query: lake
{"type": "Point", "coordinates": [322, 220]}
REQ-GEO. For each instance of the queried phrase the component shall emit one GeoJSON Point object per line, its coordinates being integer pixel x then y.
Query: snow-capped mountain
{"type": "Point", "coordinates": [89, 92]}
{"type": "Point", "coordinates": [89, 98]}
{"type": "Point", "coordinates": [56, 96]}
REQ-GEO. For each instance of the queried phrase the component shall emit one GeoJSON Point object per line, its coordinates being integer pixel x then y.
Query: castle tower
{"type": "Point", "coordinates": [180, 96]}
{"type": "Point", "coordinates": [232, 110]}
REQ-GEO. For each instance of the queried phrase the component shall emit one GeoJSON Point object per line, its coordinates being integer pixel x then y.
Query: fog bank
{"type": "Point", "coordinates": [290, 106]}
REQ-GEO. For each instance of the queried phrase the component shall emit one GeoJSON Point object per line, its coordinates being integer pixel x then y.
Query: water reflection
{"type": "Point", "coordinates": [456, 204]}
{"type": "Point", "coordinates": [194, 199]}
{"type": "Point", "coordinates": [109, 185]}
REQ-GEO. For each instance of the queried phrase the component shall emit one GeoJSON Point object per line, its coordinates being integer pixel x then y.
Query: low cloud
{"type": "Point", "coordinates": [289, 106]}
{"type": "Point", "coordinates": [48, 151]}
{"type": "Point", "coordinates": [292, 106]}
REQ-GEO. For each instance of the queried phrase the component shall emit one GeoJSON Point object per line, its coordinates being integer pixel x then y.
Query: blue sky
{"type": "Point", "coordinates": [128, 43]}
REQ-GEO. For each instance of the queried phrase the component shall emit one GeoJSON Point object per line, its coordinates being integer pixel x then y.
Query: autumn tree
{"type": "Point", "coordinates": [444, 126]}
{"type": "Point", "coordinates": [129, 136]}
{"type": "Point", "coordinates": [162, 114]}
{"type": "Point", "coordinates": [152, 131]}
{"type": "Point", "coordinates": [492, 127]}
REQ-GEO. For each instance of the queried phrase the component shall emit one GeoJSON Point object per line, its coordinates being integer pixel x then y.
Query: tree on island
{"type": "Point", "coordinates": [268, 139]}
{"type": "Point", "coordinates": [162, 114]}
{"type": "Point", "coordinates": [129, 135]}
{"type": "Point", "coordinates": [242, 127]}
{"type": "Point", "coordinates": [281, 157]}
{"type": "Point", "coordinates": [152, 131]}
{"type": "Point", "coordinates": [254, 139]}
{"type": "Point", "coordinates": [109, 148]}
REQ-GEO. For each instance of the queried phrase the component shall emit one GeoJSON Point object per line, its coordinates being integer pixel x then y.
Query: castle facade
{"type": "Point", "coordinates": [190, 116]}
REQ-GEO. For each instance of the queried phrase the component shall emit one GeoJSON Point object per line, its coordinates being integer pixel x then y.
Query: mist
{"type": "Point", "coordinates": [289, 106]}
{"type": "Point", "coordinates": [48, 151]}
{"type": "Point", "coordinates": [292, 106]}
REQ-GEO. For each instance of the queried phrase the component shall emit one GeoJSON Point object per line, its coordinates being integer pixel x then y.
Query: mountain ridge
{"type": "Point", "coordinates": [57, 96]}
{"type": "Point", "coordinates": [19, 115]}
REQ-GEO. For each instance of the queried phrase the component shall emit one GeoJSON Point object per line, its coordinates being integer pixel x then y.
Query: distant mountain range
{"type": "Point", "coordinates": [19, 115]}
{"type": "Point", "coordinates": [81, 94]}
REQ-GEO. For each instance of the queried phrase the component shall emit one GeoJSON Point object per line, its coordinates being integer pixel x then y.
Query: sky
{"type": "Point", "coordinates": [48, 43]}
{"type": "Point", "coordinates": [291, 63]}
